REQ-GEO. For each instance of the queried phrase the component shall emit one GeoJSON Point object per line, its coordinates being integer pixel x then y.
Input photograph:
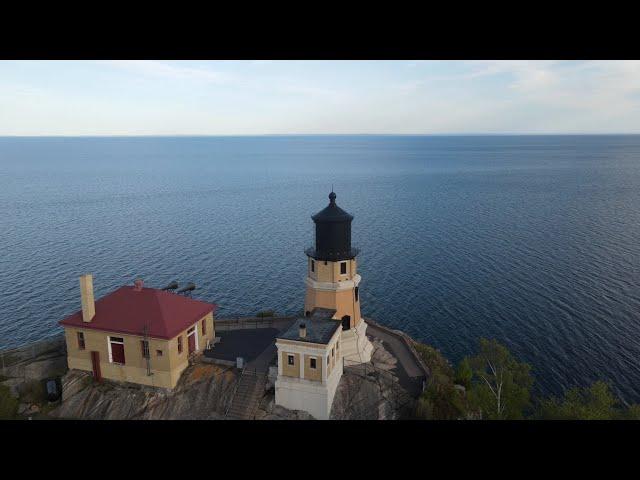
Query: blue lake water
{"type": "Point", "coordinates": [532, 240]}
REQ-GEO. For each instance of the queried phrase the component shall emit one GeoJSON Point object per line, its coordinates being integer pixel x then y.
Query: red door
{"type": "Point", "coordinates": [192, 343]}
{"type": "Point", "coordinates": [95, 362]}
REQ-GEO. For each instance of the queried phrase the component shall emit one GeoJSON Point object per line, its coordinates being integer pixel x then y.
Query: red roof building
{"type": "Point", "coordinates": [136, 334]}
{"type": "Point", "coordinates": [127, 310]}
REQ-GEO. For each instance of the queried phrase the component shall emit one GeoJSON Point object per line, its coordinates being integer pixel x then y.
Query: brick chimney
{"type": "Point", "coordinates": [86, 296]}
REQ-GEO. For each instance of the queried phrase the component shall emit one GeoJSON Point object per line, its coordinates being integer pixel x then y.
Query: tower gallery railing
{"type": "Point", "coordinates": [331, 256]}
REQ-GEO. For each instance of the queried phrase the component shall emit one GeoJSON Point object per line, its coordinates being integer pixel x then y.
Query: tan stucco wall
{"type": "Point", "coordinates": [290, 370]}
{"type": "Point", "coordinates": [331, 271]}
{"type": "Point", "coordinates": [322, 353]}
{"type": "Point", "coordinates": [342, 301]}
{"type": "Point", "coordinates": [166, 368]}
{"type": "Point", "coordinates": [310, 373]}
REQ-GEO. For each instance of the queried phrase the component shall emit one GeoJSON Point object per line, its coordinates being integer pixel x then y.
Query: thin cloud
{"type": "Point", "coordinates": [161, 69]}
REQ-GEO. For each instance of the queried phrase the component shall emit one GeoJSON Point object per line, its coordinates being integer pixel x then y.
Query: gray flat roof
{"type": "Point", "coordinates": [319, 330]}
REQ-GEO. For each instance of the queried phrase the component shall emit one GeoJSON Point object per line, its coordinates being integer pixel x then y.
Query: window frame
{"type": "Point", "coordinates": [144, 346]}
{"type": "Point", "coordinates": [204, 326]}
{"type": "Point", "coordinates": [116, 341]}
{"type": "Point", "coordinates": [291, 360]}
{"type": "Point", "coordinates": [343, 266]}
{"type": "Point", "coordinates": [313, 363]}
{"type": "Point", "coordinates": [180, 348]}
{"type": "Point", "coordinates": [81, 343]}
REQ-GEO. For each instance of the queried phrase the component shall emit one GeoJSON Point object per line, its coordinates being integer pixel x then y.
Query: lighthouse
{"type": "Point", "coordinates": [333, 282]}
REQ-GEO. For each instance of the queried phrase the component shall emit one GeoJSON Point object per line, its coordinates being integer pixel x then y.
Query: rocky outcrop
{"type": "Point", "coordinates": [203, 393]}
{"type": "Point", "coordinates": [366, 392]}
{"type": "Point", "coordinates": [372, 391]}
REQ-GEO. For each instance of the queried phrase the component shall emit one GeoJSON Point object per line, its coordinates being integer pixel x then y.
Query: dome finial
{"type": "Point", "coordinates": [332, 196]}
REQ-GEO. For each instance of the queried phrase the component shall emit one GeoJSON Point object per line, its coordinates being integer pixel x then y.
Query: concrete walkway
{"type": "Point", "coordinates": [399, 349]}
{"type": "Point", "coordinates": [409, 373]}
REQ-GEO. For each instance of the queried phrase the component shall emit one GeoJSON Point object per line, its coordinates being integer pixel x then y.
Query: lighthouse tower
{"type": "Point", "coordinates": [332, 281]}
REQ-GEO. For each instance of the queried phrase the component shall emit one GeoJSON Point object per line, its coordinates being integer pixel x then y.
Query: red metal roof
{"type": "Point", "coordinates": [127, 310]}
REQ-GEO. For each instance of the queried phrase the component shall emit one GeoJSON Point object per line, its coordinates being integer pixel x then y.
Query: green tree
{"type": "Point", "coordinates": [8, 404]}
{"type": "Point", "coordinates": [440, 399]}
{"type": "Point", "coordinates": [596, 402]}
{"type": "Point", "coordinates": [501, 385]}
{"type": "Point", "coordinates": [464, 373]}
{"type": "Point", "coordinates": [435, 361]}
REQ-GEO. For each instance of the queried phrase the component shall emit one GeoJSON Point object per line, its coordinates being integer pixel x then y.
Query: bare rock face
{"type": "Point", "coordinates": [203, 393]}
{"type": "Point", "coordinates": [371, 391]}
{"type": "Point", "coordinates": [276, 412]}
{"type": "Point", "coordinates": [46, 368]}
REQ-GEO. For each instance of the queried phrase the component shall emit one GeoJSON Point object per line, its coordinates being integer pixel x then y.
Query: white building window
{"type": "Point", "coordinates": [312, 363]}
{"type": "Point", "coordinates": [116, 350]}
{"type": "Point", "coordinates": [290, 359]}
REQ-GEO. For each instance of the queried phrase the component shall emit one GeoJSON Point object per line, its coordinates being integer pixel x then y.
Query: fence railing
{"type": "Point", "coordinates": [238, 323]}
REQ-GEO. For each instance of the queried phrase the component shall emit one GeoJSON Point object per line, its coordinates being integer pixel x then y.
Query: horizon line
{"type": "Point", "coordinates": [190, 135]}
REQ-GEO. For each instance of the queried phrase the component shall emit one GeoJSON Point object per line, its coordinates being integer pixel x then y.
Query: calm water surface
{"type": "Point", "coordinates": [532, 240]}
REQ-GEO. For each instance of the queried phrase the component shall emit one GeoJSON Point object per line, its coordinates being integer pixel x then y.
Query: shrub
{"type": "Point", "coordinates": [596, 402]}
{"type": "Point", "coordinates": [8, 404]}
{"type": "Point", "coordinates": [440, 399]}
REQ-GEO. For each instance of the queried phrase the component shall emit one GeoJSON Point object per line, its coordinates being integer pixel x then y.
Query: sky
{"type": "Point", "coordinates": [318, 97]}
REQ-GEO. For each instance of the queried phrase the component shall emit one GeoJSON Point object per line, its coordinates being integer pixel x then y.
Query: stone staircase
{"type": "Point", "coordinates": [247, 396]}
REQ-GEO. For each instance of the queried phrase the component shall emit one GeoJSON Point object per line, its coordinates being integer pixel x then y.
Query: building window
{"type": "Point", "coordinates": [328, 360]}
{"type": "Point", "coordinates": [343, 268]}
{"type": "Point", "coordinates": [180, 344]}
{"type": "Point", "coordinates": [333, 351]}
{"type": "Point", "coordinates": [80, 340]}
{"type": "Point", "coordinates": [356, 292]}
{"type": "Point", "coordinates": [312, 363]}
{"type": "Point", "coordinates": [204, 327]}
{"type": "Point", "coordinates": [116, 350]}
{"type": "Point", "coordinates": [159, 353]}
{"type": "Point", "coordinates": [290, 359]}
{"type": "Point", "coordinates": [144, 346]}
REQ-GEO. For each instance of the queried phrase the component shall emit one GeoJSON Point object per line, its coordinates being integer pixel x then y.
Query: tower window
{"type": "Point", "coordinates": [343, 268]}
{"type": "Point", "coordinates": [313, 266]}
{"type": "Point", "coordinates": [356, 293]}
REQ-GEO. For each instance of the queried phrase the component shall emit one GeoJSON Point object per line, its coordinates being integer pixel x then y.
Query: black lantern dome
{"type": "Point", "coordinates": [333, 233]}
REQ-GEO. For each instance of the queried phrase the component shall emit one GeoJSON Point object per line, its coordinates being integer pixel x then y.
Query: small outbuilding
{"type": "Point", "coordinates": [137, 334]}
